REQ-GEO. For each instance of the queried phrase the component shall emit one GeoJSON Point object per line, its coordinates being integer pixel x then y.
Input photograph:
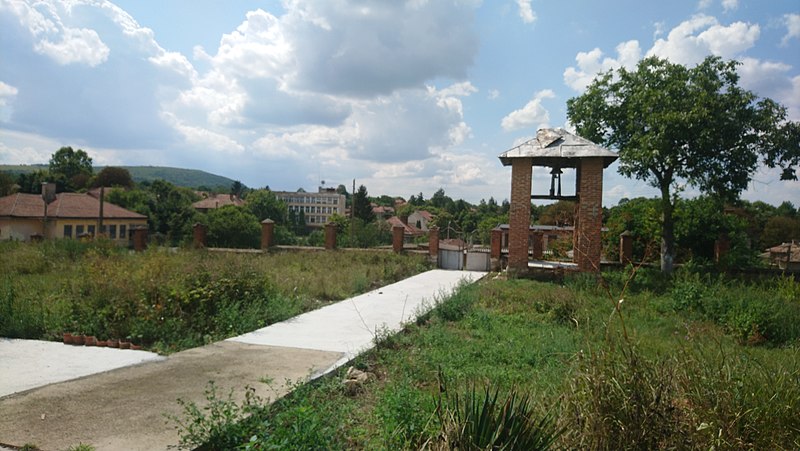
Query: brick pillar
{"type": "Point", "coordinates": [433, 242]}
{"type": "Point", "coordinates": [497, 243]}
{"type": "Point", "coordinates": [397, 238]}
{"type": "Point", "coordinates": [538, 245]}
{"type": "Point", "coordinates": [721, 247]}
{"type": "Point", "coordinates": [199, 235]}
{"type": "Point", "coordinates": [140, 239]}
{"type": "Point", "coordinates": [267, 233]}
{"type": "Point", "coordinates": [519, 216]}
{"type": "Point", "coordinates": [330, 236]}
{"type": "Point", "coordinates": [626, 247]}
{"type": "Point", "coordinates": [588, 245]}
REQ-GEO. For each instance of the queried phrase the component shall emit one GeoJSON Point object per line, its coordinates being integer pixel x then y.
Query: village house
{"type": "Point", "coordinates": [212, 201]}
{"type": "Point", "coordinates": [69, 215]}
{"type": "Point", "coordinates": [317, 208]}
{"type": "Point", "coordinates": [784, 255]}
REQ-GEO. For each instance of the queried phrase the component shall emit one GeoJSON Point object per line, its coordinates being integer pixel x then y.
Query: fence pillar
{"type": "Point", "coordinates": [397, 238]}
{"type": "Point", "coordinates": [538, 245]}
{"type": "Point", "coordinates": [721, 247]}
{"type": "Point", "coordinates": [626, 247]}
{"type": "Point", "coordinates": [433, 242]}
{"type": "Point", "coordinates": [330, 236]}
{"type": "Point", "coordinates": [199, 235]}
{"type": "Point", "coordinates": [267, 233]}
{"type": "Point", "coordinates": [140, 239]}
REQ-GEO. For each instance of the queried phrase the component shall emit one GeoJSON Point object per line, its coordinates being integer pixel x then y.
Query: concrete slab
{"type": "Point", "coordinates": [350, 326]}
{"type": "Point", "coordinates": [28, 364]}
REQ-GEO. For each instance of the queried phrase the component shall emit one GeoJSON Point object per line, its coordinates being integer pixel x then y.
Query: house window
{"type": "Point", "coordinates": [122, 231]}
{"type": "Point", "coordinates": [68, 231]}
{"type": "Point", "coordinates": [112, 231]}
{"type": "Point", "coordinates": [78, 230]}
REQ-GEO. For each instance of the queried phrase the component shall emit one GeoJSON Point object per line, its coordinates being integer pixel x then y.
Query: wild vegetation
{"type": "Point", "coordinates": [691, 362]}
{"type": "Point", "coordinates": [169, 300]}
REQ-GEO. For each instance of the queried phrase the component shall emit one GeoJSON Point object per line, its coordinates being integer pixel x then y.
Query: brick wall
{"type": "Point", "coordinates": [589, 221]}
{"type": "Point", "coordinates": [519, 214]}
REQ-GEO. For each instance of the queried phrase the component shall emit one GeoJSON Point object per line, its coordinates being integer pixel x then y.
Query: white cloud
{"type": "Point", "coordinates": [75, 46]}
{"type": "Point", "coordinates": [7, 92]}
{"type": "Point", "coordinates": [694, 39]}
{"type": "Point", "coordinates": [730, 5]}
{"type": "Point", "coordinates": [526, 11]}
{"type": "Point", "coordinates": [590, 64]}
{"type": "Point", "coordinates": [532, 114]}
{"type": "Point", "coordinates": [704, 4]}
{"type": "Point", "coordinates": [792, 22]}
{"type": "Point", "coordinates": [493, 94]}
{"type": "Point", "coordinates": [773, 80]}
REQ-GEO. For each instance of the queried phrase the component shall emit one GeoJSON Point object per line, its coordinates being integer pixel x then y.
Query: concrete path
{"type": "Point", "coordinates": [124, 409]}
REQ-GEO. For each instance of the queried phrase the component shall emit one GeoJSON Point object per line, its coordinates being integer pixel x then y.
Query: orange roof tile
{"type": "Point", "coordinates": [66, 205]}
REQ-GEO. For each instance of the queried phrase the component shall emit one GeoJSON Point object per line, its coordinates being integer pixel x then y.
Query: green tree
{"type": "Point", "coordinates": [6, 183]}
{"type": "Point", "coordinates": [780, 229]}
{"type": "Point", "coordinates": [113, 176]}
{"type": "Point", "coordinates": [70, 168]}
{"type": "Point", "coordinates": [361, 206]}
{"type": "Point", "coordinates": [265, 205]}
{"type": "Point", "coordinates": [171, 212]}
{"type": "Point", "coordinates": [561, 213]}
{"type": "Point", "coordinates": [31, 182]}
{"type": "Point", "coordinates": [233, 227]}
{"type": "Point", "coordinates": [640, 217]}
{"type": "Point", "coordinates": [673, 124]}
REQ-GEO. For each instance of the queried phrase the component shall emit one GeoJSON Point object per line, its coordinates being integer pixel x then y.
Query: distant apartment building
{"type": "Point", "coordinates": [317, 208]}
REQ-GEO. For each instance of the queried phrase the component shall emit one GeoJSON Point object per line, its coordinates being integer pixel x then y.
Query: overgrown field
{"type": "Point", "coordinates": [172, 300]}
{"type": "Point", "coordinates": [693, 362]}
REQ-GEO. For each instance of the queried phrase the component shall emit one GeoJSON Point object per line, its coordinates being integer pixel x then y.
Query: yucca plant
{"type": "Point", "coordinates": [483, 420]}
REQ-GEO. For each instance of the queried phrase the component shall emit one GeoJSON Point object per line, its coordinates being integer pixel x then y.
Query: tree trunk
{"type": "Point", "coordinates": [667, 233]}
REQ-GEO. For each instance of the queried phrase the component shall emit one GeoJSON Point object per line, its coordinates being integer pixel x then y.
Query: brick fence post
{"type": "Point", "coordinates": [626, 247]}
{"type": "Point", "coordinates": [397, 238]}
{"type": "Point", "coordinates": [538, 245]}
{"type": "Point", "coordinates": [433, 242]}
{"type": "Point", "coordinates": [267, 233]}
{"type": "Point", "coordinates": [140, 239]}
{"type": "Point", "coordinates": [721, 247]}
{"type": "Point", "coordinates": [199, 236]}
{"type": "Point", "coordinates": [588, 245]}
{"type": "Point", "coordinates": [330, 236]}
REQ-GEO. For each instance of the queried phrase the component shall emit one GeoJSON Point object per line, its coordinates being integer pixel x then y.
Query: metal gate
{"type": "Point", "coordinates": [451, 259]}
{"type": "Point", "coordinates": [478, 261]}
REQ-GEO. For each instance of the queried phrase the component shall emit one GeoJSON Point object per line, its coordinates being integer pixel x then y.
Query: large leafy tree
{"type": "Point", "coordinates": [265, 205]}
{"type": "Point", "coordinates": [113, 176]}
{"type": "Point", "coordinates": [234, 227]}
{"type": "Point", "coordinates": [676, 125]}
{"type": "Point", "coordinates": [71, 168]}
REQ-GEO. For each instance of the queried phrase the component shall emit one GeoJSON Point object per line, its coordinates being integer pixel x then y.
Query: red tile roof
{"type": "Point", "coordinates": [217, 200]}
{"type": "Point", "coordinates": [407, 228]}
{"type": "Point", "coordinates": [66, 205]}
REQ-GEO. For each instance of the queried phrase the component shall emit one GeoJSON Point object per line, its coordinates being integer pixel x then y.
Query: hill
{"type": "Point", "coordinates": [190, 178]}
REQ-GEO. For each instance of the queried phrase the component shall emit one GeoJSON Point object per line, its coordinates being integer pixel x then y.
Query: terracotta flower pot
{"type": "Point", "coordinates": [113, 343]}
{"type": "Point", "coordinates": [67, 338]}
{"type": "Point", "coordinates": [78, 340]}
{"type": "Point", "coordinates": [124, 344]}
{"type": "Point", "coordinates": [135, 347]}
{"type": "Point", "coordinates": [90, 340]}
{"type": "Point", "coordinates": [102, 343]}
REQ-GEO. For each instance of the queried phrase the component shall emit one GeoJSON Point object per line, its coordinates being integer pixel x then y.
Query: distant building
{"type": "Point", "coordinates": [784, 255]}
{"type": "Point", "coordinates": [69, 215]}
{"type": "Point", "coordinates": [420, 219]}
{"type": "Point", "coordinates": [317, 207]}
{"type": "Point", "coordinates": [213, 201]}
{"type": "Point", "coordinates": [382, 212]}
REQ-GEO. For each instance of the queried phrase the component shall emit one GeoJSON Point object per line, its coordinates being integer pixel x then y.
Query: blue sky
{"type": "Point", "coordinates": [405, 97]}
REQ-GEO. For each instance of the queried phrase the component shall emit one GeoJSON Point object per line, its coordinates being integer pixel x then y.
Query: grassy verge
{"type": "Point", "coordinates": [172, 300]}
{"type": "Point", "coordinates": [684, 378]}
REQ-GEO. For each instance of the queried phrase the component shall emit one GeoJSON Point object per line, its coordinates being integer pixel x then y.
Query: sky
{"type": "Point", "coordinates": [402, 96]}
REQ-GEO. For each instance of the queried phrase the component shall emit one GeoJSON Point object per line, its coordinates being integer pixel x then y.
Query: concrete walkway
{"type": "Point", "coordinates": [124, 408]}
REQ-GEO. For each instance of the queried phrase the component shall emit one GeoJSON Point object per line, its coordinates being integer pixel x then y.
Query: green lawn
{"type": "Point", "coordinates": [704, 366]}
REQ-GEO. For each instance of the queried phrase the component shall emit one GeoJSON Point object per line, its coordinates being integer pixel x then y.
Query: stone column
{"type": "Point", "coordinates": [267, 233]}
{"type": "Point", "coordinates": [397, 238]}
{"type": "Point", "coordinates": [519, 216]}
{"type": "Point", "coordinates": [588, 244]}
{"type": "Point", "coordinates": [433, 242]}
{"type": "Point", "coordinates": [330, 236]}
{"type": "Point", "coordinates": [538, 245]}
{"type": "Point", "coordinates": [140, 239]}
{"type": "Point", "coordinates": [626, 247]}
{"type": "Point", "coordinates": [199, 235]}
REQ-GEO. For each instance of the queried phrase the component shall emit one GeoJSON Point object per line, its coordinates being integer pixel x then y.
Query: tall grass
{"type": "Point", "coordinates": [170, 300]}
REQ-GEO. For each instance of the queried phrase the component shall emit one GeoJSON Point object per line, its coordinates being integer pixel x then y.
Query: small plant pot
{"type": "Point", "coordinates": [78, 340]}
{"type": "Point", "coordinates": [90, 340]}
{"type": "Point", "coordinates": [102, 343]}
{"type": "Point", "coordinates": [67, 338]}
{"type": "Point", "coordinates": [135, 347]}
{"type": "Point", "coordinates": [113, 343]}
{"type": "Point", "coordinates": [124, 344]}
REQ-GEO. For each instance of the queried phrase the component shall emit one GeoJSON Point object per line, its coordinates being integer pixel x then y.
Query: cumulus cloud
{"type": "Point", "coordinates": [532, 114]}
{"type": "Point", "coordinates": [592, 63]}
{"type": "Point", "coordinates": [773, 80]}
{"type": "Point", "coordinates": [75, 46]}
{"type": "Point", "coordinates": [526, 11]}
{"type": "Point", "coordinates": [7, 92]}
{"type": "Point", "coordinates": [694, 39]}
{"type": "Point", "coordinates": [792, 22]}
{"type": "Point", "coordinates": [730, 5]}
